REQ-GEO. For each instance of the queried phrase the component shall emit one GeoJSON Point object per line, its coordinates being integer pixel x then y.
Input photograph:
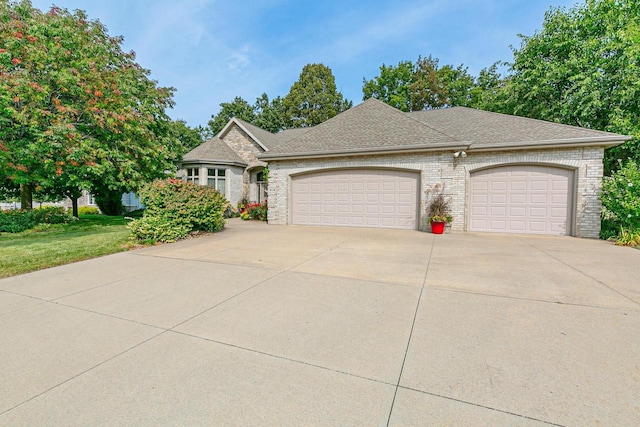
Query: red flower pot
{"type": "Point", "coordinates": [437, 227]}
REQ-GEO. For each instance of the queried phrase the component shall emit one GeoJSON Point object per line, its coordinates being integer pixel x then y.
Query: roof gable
{"type": "Point", "coordinates": [257, 135]}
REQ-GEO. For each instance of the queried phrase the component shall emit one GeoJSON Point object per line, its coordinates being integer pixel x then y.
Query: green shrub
{"type": "Point", "coordinates": [174, 209]}
{"type": "Point", "coordinates": [15, 221]}
{"type": "Point", "coordinates": [51, 215]}
{"type": "Point", "coordinates": [621, 201]}
{"type": "Point", "coordinates": [628, 238]}
{"type": "Point", "coordinates": [152, 229]}
{"type": "Point", "coordinates": [609, 228]}
{"type": "Point", "coordinates": [88, 210]}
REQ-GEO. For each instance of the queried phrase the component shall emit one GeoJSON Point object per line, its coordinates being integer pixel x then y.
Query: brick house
{"type": "Point", "coordinates": [371, 165]}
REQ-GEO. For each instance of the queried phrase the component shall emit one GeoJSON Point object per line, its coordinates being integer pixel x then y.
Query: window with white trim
{"type": "Point", "coordinates": [216, 178]}
{"type": "Point", "coordinates": [193, 175]}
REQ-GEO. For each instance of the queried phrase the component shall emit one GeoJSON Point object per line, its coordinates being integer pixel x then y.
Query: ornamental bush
{"type": "Point", "coordinates": [174, 208]}
{"type": "Point", "coordinates": [621, 196]}
{"type": "Point", "coordinates": [257, 211]}
{"type": "Point", "coordinates": [15, 221]}
{"type": "Point", "coordinates": [88, 210]}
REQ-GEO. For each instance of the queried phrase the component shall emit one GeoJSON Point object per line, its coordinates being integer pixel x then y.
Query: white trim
{"type": "Point", "coordinates": [235, 121]}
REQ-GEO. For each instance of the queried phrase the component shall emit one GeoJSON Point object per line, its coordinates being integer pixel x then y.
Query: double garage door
{"type": "Point", "coordinates": [510, 199]}
{"type": "Point", "coordinates": [522, 199]}
{"type": "Point", "coordinates": [356, 198]}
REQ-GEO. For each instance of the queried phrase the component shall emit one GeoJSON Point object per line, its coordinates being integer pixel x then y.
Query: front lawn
{"type": "Point", "coordinates": [50, 245]}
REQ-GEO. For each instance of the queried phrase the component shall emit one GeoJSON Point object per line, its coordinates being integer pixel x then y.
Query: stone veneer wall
{"type": "Point", "coordinates": [455, 173]}
{"type": "Point", "coordinates": [242, 144]}
{"type": "Point", "coordinates": [248, 150]}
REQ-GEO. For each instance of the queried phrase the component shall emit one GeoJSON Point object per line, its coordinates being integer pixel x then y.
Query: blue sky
{"type": "Point", "coordinates": [214, 50]}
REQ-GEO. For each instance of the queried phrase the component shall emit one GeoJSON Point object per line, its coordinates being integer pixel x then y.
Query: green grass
{"type": "Point", "coordinates": [50, 245]}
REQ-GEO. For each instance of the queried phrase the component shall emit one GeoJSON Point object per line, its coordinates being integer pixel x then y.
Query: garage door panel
{"type": "Point", "coordinates": [517, 198]}
{"type": "Point", "coordinates": [365, 198]}
{"type": "Point", "coordinates": [521, 199]}
{"type": "Point", "coordinates": [498, 186]}
{"type": "Point", "coordinates": [517, 226]}
{"type": "Point", "coordinates": [537, 184]}
{"type": "Point", "coordinates": [498, 198]}
{"type": "Point", "coordinates": [518, 185]}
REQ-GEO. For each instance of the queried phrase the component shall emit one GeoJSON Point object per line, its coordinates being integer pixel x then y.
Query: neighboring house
{"type": "Point", "coordinates": [130, 201]}
{"type": "Point", "coordinates": [371, 165]}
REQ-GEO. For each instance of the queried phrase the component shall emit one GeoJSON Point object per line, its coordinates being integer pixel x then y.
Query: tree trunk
{"type": "Point", "coordinates": [74, 206]}
{"type": "Point", "coordinates": [26, 196]}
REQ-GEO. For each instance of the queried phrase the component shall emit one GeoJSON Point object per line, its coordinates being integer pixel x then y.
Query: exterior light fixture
{"type": "Point", "coordinates": [462, 154]}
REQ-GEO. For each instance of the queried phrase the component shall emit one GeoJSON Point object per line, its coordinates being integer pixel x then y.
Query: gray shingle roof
{"type": "Point", "coordinates": [484, 127]}
{"type": "Point", "coordinates": [369, 126]}
{"type": "Point", "coordinates": [214, 150]}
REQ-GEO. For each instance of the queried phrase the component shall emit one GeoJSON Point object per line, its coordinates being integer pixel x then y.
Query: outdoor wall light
{"type": "Point", "coordinates": [462, 154]}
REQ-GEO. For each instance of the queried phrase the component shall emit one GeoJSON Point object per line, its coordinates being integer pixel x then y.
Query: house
{"type": "Point", "coordinates": [130, 201]}
{"type": "Point", "coordinates": [371, 165]}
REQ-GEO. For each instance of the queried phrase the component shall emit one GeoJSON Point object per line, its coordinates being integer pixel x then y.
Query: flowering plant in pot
{"type": "Point", "coordinates": [438, 210]}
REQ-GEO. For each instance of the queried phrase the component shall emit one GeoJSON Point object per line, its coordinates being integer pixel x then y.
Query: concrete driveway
{"type": "Point", "coordinates": [270, 325]}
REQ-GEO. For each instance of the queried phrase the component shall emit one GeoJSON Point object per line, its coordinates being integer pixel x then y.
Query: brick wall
{"type": "Point", "coordinates": [455, 173]}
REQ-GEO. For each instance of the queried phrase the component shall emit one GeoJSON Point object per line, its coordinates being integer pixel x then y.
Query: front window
{"type": "Point", "coordinates": [261, 183]}
{"type": "Point", "coordinates": [216, 178]}
{"type": "Point", "coordinates": [193, 175]}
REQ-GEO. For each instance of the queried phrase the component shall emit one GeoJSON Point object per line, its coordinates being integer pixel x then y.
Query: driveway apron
{"type": "Point", "coordinates": [277, 325]}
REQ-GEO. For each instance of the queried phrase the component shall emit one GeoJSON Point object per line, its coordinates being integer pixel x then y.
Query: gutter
{"type": "Point", "coordinates": [439, 146]}
{"type": "Point", "coordinates": [211, 162]}
{"type": "Point", "coordinates": [599, 141]}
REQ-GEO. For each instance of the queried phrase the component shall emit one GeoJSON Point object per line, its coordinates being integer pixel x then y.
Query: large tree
{"type": "Point", "coordinates": [583, 68]}
{"type": "Point", "coordinates": [422, 85]}
{"type": "Point", "coordinates": [76, 111]}
{"type": "Point", "coordinates": [237, 108]}
{"type": "Point", "coordinates": [270, 114]}
{"type": "Point", "coordinates": [187, 138]}
{"type": "Point", "coordinates": [313, 98]}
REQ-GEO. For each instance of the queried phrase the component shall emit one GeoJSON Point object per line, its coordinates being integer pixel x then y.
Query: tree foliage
{"type": "Point", "coordinates": [422, 85]}
{"type": "Point", "coordinates": [265, 113]}
{"type": "Point", "coordinates": [188, 138]}
{"type": "Point", "coordinates": [238, 108]}
{"type": "Point", "coordinates": [583, 68]}
{"type": "Point", "coordinates": [76, 111]}
{"type": "Point", "coordinates": [313, 98]}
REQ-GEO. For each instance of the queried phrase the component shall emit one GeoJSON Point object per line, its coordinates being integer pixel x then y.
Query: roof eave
{"type": "Point", "coordinates": [211, 162]}
{"type": "Point", "coordinates": [368, 151]}
{"type": "Point", "coordinates": [598, 141]}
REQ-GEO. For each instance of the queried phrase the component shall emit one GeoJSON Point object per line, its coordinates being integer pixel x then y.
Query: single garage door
{"type": "Point", "coordinates": [522, 199]}
{"type": "Point", "coordinates": [356, 198]}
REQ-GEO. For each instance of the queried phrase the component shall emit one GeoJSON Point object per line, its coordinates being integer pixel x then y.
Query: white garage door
{"type": "Point", "coordinates": [356, 198]}
{"type": "Point", "coordinates": [522, 199]}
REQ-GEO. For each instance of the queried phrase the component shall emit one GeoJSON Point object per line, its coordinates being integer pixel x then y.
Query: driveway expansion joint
{"type": "Point", "coordinates": [581, 272]}
{"type": "Point", "coordinates": [481, 406]}
{"type": "Point", "coordinates": [413, 324]}
{"type": "Point", "coordinates": [276, 356]}
{"type": "Point", "coordinates": [542, 301]}
{"type": "Point", "coordinates": [82, 373]}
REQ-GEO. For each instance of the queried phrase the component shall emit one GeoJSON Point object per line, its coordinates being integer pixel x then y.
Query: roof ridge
{"type": "Point", "coordinates": [403, 114]}
{"type": "Point", "coordinates": [429, 125]}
